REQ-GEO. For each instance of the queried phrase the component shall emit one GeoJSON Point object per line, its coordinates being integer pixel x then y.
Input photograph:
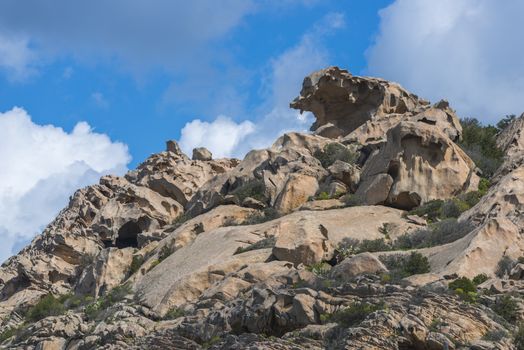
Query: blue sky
{"type": "Point", "coordinates": [135, 106]}
{"type": "Point", "coordinates": [89, 88]}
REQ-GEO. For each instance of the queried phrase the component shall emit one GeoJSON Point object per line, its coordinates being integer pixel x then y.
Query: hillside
{"type": "Point", "coordinates": [374, 231]}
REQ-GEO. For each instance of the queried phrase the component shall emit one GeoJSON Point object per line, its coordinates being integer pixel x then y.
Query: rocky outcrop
{"type": "Point", "coordinates": [418, 163]}
{"type": "Point", "coordinates": [363, 109]}
{"type": "Point", "coordinates": [280, 250]}
{"type": "Point", "coordinates": [284, 176]}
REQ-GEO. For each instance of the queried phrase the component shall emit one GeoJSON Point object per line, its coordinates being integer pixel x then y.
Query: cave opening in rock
{"type": "Point", "coordinates": [127, 235]}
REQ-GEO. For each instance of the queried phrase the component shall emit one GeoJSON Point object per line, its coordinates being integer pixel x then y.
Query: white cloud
{"type": "Point", "coordinates": [16, 58]}
{"type": "Point", "coordinates": [222, 136]}
{"type": "Point", "coordinates": [469, 52]}
{"type": "Point", "coordinates": [42, 165]}
{"type": "Point", "coordinates": [287, 73]}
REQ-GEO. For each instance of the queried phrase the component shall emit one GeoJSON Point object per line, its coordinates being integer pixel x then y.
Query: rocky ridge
{"type": "Point", "coordinates": [297, 246]}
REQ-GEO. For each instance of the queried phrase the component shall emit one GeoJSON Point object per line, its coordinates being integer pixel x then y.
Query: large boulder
{"type": "Point", "coordinates": [364, 263]}
{"type": "Point", "coordinates": [363, 109]}
{"type": "Point", "coordinates": [418, 163]}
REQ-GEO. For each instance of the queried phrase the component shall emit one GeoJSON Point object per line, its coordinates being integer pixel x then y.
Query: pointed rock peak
{"type": "Point", "coordinates": [172, 146]}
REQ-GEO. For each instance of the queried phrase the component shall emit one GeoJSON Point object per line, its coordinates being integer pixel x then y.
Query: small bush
{"type": "Point", "coordinates": [353, 200]}
{"type": "Point", "coordinates": [484, 185]}
{"type": "Point", "coordinates": [320, 269]}
{"type": "Point", "coordinates": [267, 214]}
{"type": "Point", "coordinates": [255, 189]}
{"type": "Point", "coordinates": [47, 306]}
{"type": "Point", "coordinates": [114, 296]}
{"type": "Point", "coordinates": [506, 307]}
{"type": "Point", "coordinates": [480, 278]}
{"type": "Point", "coordinates": [174, 313]}
{"type": "Point", "coordinates": [347, 247]}
{"type": "Point", "coordinates": [518, 340]}
{"type": "Point", "coordinates": [153, 265]}
{"type": "Point", "coordinates": [323, 196]}
{"type": "Point", "coordinates": [8, 333]}
{"type": "Point", "coordinates": [136, 263]}
{"type": "Point", "coordinates": [495, 335]}
{"type": "Point", "coordinates": [333, 152]}
{"type": "Point", "coordinates": [164, 252]}
{"type": "Point", "coordinates": [401, 266]}
{"type": "Point", "coordinates": [268, 242]}
{"type": "Point", "coordinates": [373, 245]}
{"type": "Point", "coordinates": [504, 266]}
{"type": "Point", "coordinates": [463, 283]}
{"type": "Point", "coordinates": [352, 315]}
{"type": "Point", "coordinates": [445, 231]}
{"type": "Point", "coordinates": [431, 210]}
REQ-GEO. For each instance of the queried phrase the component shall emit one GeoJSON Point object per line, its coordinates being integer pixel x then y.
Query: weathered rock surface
{"type": "Point", "coordinates": [363, 109]}
{"type": "Point", "coordinates": [418, 163]}
{"type": "Point", "coordinates": [262, 253]}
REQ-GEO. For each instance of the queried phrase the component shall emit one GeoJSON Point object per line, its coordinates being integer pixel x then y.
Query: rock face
{"type": "Point", "coordinates": [282, 250]}
{"type": "Point", "coordinates": [363, 109]}
{"type": "Point", "coordinates": [418, 163]}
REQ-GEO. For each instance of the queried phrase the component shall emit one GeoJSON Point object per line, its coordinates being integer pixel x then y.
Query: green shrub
{"type": "Point", "coordinates": [480, 278]}
{"type": "Point", "coordinates": [47, 306]}
{"type": "Point", "coordinates": [401, 265]}
{"type": "Point", "coordinates": [174, 313]}
{"type": "Point", "coordinates": [445, 231]}
{"type": "Point", "coordinates": [333, 152]}
{"type": "Point", "coordinates": [320, 269]}
{"type": "Point", "coordinates": [463, 283]}
{"type": "Point", "coordinates": [431, 210]}
{"type": "Point", "coordinates": [255, 189]}
{"type": "Point", "coordinates": [479, 143]}
{"type": "Point", "coordinates": [8, 333]}
{"type": "Point", "coordinates": [504, 266]}
{"type": "Point", "coordinates": [505, 122]}
{"type": "Point", "coordinates": [347, 247]}
{"type": "Point", "coordinates": [267, 214]}
{"type": "Point", "coordinates": [268, 242]}
{"type": "Point", "coordinates": [164, 252]}
{"type": "Point", "coordinates": [506, 307]}
{"type": "Point", "coordinates": [495, 335]}
{"type": "Point", "coordinates": [373, 245]}
{"type": "Point", "coordinates": [182, 218]}
{"type": "Point", "coordinates": [114, 296]}
{"type": "Point", "coordinates": [323, 196]}
{"type": "Point", "coordinates": [518, 340]}
{"type": "Point", "coordinates": [153, 265]}
{"type": "Point", "coordinates": [484, 185]}
{"type": "Point", "coordinates": [353, 200]}
{"type": "Point", "coordinates": [136, 263]}
{"type": "Point", "coordinates": [353, 314]}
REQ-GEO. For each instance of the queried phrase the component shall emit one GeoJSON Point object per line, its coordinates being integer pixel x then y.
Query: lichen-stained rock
{"type": "Point", "coordinates": [284, 176]}
{"type": "Point", "coordinates": [423, 163]}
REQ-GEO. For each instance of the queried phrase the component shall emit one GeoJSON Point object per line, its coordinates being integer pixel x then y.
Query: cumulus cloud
{"type": "Point", "coordinates": [42, 165]}
{"type": "Point", "coordinates": [222, 136]}
{"type": "Point", "coordinates": [285, 80]}
{"type": "Point", "coordinates": [469, 52]}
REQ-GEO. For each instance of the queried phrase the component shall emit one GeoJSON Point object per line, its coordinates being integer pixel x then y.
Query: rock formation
{"type": "Point", "coordinates": [297, 246]}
